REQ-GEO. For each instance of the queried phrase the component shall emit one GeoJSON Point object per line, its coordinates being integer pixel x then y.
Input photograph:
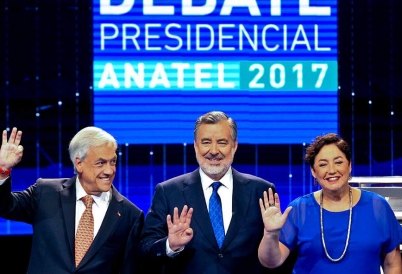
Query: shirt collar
{"type": "Point", "coordinates": [226, 180]}
{"type": "Point", "coordinates": [80, 192]}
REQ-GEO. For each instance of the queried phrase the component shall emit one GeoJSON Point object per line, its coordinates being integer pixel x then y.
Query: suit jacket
{"type": "Point", "coordinates": [202, 254]}
{"type": "Point", "coordinates": [49, 205]}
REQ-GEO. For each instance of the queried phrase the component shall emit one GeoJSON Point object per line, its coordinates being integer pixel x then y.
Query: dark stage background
{"type": "Point", "coordinates": [46, 91]}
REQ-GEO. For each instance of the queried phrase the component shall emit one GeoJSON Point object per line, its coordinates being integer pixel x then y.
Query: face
{"type": "Point", "coordinates": [331, 168]}
{"type": "Point", "coordinates": [215, 149]}
{"type": "Point", "coordinates": [96, 172]}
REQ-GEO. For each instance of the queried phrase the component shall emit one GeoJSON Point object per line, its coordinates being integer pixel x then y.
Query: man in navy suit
{"type": "Point", "coordinates": [185, 243]}
{"type": "Point", "coordinates": [53, 207]}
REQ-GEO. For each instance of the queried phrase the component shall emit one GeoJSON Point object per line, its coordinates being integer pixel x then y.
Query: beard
{"type": "Point", "coordinates": [214, 170]}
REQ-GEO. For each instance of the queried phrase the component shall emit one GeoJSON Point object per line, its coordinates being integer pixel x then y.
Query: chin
{"type": "Point", "coordinates": [105, 189]}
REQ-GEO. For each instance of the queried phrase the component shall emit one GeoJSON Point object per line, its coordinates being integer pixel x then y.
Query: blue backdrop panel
{"type": "Point", "coordinates": [271, 65]}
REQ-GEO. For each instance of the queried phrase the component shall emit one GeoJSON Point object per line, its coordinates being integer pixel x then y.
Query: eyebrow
{"type": "Point", "coordinates": [337, 157]}
{"type": "Point", "coordinates": [103, 159]}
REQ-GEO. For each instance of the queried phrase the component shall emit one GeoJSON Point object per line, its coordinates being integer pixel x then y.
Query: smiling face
{"type": "Point", "coordinates": [215, 149]}
{"type": "Point", "coordinates": [331, 168]}
{"type": "Point", "coordinates": [97, 171]}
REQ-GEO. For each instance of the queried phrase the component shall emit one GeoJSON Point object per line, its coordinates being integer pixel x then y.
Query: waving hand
{"type": "Point", "coordinates": [180, 232]}
{"type": "Point", "coordinates": [271, 213]}
{"type": "Point", "coordinates": [11, 150]}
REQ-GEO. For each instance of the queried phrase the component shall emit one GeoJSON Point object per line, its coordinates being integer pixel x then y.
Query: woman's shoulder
{"type": "Point", "coordinates": [374, 200]}
{"type": "Point", "coordinates": [371, 196]}
{"type": "Point", "coordinates": [306, 200]}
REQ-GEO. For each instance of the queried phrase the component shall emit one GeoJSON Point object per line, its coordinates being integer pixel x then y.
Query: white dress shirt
{"type": "Point", "coordinates": [225, 192]}
{"type": "Point", "coordinates": [99, 207]}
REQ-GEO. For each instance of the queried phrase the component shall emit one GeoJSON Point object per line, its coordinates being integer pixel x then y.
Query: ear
{"type": "Point", "coordinates": [78, 164]}
{"type": "Point", "coordinates": [313, 172]}
{"type": "Point", "coordinates": [235, 145]}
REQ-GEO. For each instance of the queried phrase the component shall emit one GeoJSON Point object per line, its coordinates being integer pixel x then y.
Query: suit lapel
{"type": "Point", "coordinates": [240, 206]}
{"type": "Point", "coordinates": [68, 201]}
{"type": "Point", "coordinates": [194, 195]}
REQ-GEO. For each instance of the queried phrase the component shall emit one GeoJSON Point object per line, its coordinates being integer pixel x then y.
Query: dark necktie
{"type": "Point", "coordinates": [215, 214]}
{"type": "Point", "coordinates": [85, 230]}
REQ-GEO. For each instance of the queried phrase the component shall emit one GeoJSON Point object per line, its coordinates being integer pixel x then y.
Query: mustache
{"type": "Point", "coordinates": [214, 157]}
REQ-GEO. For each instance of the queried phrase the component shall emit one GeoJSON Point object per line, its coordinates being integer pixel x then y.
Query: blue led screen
{"type": "Point", "coordinates": [271, 65]}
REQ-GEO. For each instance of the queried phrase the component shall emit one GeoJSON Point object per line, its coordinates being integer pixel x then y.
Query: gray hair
{"type": "Point", "coordinates": [214, 117]}
{"type": "Point", "coordinates": [87, 138]}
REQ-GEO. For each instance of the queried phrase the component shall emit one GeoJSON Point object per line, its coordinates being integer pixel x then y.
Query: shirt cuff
{"type": "Point", "coordinates": [169, 252]}
{"type": "Point", "coordinates": [3, 180]}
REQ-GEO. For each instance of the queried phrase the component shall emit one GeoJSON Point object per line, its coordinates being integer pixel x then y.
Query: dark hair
{"type": "Point", "coordinates": [331, 138]}
{"type": "Point", "coordinates": [214, 117]}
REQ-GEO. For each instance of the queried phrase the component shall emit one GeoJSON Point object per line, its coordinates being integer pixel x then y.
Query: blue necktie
{"type": "Point", "coordinates": [215, 214]}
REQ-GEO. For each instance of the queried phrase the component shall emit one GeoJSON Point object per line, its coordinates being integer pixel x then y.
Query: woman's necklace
{"type": "Point", "coordinates": [349, 226]}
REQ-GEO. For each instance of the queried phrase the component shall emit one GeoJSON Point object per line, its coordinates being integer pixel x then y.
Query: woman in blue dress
{"type": "Point", "coordinates": [337, 229]}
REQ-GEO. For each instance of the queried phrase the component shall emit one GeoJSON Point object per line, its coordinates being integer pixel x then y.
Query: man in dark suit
{"type": "Point", "coordinates": [54, 207]}
{"type": "Point", "coordinates": [186, 243]}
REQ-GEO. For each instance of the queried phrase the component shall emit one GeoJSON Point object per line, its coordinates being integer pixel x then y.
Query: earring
{"type": "Point", "coordinates": [315, 181]}
{"type": "Point", "coordinates": [350, 177]}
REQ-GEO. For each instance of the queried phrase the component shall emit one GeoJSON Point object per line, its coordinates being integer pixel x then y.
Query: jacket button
{"type": "Point", "coordinates": [220, 255]}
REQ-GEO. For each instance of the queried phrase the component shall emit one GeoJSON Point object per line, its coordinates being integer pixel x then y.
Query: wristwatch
{"type": "Point", "coordinates": [5, 172]}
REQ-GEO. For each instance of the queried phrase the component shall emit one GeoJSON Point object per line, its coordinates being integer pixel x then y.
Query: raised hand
{"type": "Point", "coordinates": [11, 150]}
{"type": "Point", "coordinates": [271, 212]}
{"type": "Point", "coordinates": [180, 232]}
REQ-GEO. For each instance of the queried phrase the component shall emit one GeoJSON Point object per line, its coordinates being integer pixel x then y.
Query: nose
{"type": "Point", "coordinates": [331, 168]}
{"type": "Point", "coordinates": [214, 149]}
{"type": "Point", "coordinates": [109, 168]}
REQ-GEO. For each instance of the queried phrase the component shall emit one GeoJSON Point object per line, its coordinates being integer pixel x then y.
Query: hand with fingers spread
{"type": "Point", "coordinates": [271, 213]}
{"type": "Point", "coordinates": [180, 232]}
{"type": "Point", "coordinates": [11, 150]}
{"type": "Point", "coordinates": [271, 252]}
